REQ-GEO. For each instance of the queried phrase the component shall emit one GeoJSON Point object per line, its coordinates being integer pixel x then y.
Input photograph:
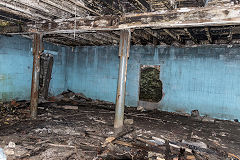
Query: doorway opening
{"type": "Point", "coordinates": [150, 84]}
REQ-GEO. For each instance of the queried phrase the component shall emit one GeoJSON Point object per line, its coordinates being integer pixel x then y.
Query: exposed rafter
{"type": "Point", "coordinates": [42, 8]}
{"type": "Point", "coordinates": [17, 9]}
{"type": "Point", "coordinates": [98, 22]}
{"type": "Point", "coordinates": [191, 36]}
{"type": "Point", "coordinates": [208, 35]}
{"type": "Point", "coordinates": [230, 34]}
{"type": "Point", "coordinates": [142, 5]}
{"type": "Point", "coordinates": [73, 11]}
{"type": "Point", "coordinates": [175, 37]}
{"type": "Point", "coordinates": [76, 2]}
{"type": "Point", "coordinates": [153, 33]}
{"type": "Point", "coordinates": [110, 6]}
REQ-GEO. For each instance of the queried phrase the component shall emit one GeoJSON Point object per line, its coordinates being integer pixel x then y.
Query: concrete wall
{"type": "Point", "coordinates": [204, 78]}
{"type": "Point", "coordinates": [16, 68]}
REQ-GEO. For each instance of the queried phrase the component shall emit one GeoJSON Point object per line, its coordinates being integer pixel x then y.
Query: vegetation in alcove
{"type": "Point", "coordinates": [150, 85]}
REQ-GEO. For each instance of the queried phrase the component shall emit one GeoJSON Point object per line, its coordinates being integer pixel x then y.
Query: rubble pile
{"type": "Point", "coordinates": [73, 126]}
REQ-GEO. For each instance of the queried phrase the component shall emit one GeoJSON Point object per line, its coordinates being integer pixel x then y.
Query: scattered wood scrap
{"type": "Point", "coordinates": [83, 129]}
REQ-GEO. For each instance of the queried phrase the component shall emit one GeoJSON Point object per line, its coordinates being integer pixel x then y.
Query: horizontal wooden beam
{"type": "Point", "coordinates": [178, 18]}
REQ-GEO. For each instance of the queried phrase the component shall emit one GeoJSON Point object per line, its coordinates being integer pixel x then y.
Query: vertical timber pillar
{"type": "Point", "coordinates": [124, 48]}
{"type": "Point", "coordinates": [37, 50]}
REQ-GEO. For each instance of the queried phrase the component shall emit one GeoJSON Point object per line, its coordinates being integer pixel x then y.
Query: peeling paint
{"type": "Point", "coordinates": [16, 68]}
{"type": "Point", "coordinates": [204, 78]}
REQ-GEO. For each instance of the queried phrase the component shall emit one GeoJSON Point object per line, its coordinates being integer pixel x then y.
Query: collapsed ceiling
{"type": "Point", "coordinates": [97, 22]}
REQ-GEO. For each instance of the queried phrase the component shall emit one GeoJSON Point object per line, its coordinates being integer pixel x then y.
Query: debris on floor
{"type": "Point", "coordinates": [73, 126]}
{"type": "Point", "coordinates": [2, 155]}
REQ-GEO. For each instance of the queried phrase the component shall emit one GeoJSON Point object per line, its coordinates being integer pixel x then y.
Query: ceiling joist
{"type": "Point", "coordinates": [209, 37]}
{"type": "Point", "coordinates": [191, 36]}
{"type": "Point", "coordinates": [98, 22]}
{"type": "Point", "coordinates": [175, 37]}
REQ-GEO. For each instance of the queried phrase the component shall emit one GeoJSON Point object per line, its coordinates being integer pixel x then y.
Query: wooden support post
{"type": "Point", "coordinates": [37, 49]}
{"type": "Point", "coordinates": [124, 48]}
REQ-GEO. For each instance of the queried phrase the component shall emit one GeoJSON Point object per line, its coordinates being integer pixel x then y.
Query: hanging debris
{"type": "Point", "coordinates": [46, 63]}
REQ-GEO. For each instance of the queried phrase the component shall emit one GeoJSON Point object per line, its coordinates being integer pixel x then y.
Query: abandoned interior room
{"type": "Point", "coordinates": [119, 79]}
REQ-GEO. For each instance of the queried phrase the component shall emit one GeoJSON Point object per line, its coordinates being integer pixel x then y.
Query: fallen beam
{"type": "Point", "coordinates": [178, 18]}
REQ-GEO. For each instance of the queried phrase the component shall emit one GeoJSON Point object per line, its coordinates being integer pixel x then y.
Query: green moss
{"type": "Point", "coordinates": [150, 85]}
{"type": "Point", "coordinates": [4, 23]}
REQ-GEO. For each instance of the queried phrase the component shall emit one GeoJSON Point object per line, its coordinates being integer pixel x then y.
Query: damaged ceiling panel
{"type": "Point", "coordinates": [97, 22]}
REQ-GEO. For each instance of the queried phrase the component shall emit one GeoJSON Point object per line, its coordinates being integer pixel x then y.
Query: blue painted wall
{"type": "Point", "coordinates": [16, 68]}
{"type": "Point", "coordinates": [204, 78]}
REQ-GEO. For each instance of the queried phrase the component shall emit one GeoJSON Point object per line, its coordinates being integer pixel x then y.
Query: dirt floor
{"type": "Point", "coordinates": [75, 127]}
